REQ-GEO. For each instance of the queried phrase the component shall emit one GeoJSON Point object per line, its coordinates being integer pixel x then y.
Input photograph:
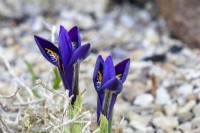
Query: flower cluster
{"type": "Point", "coordinates": [66, 57]}
{"type": "Point", "coordinates": [108, 79]}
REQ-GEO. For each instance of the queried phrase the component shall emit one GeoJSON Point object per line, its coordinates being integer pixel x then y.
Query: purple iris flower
{"type": "Point", "coordinates": [66, 57]}
{"type": "Point", "coordinates": [108, 82]}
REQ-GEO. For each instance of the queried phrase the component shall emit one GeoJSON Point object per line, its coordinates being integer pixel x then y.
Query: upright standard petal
{"type": "Point", "coordinates": [109, 70]}
{"type": "Point", "coordinates": [65, 46]}
{"type": "Point", "coordinates": [48, 49]}
{"type": "Point", "coordinates": [122, 69]}
{"type": "Point", "coordinates": [75, 37]}
{"type": "Point", "coordinates": [80, 54]}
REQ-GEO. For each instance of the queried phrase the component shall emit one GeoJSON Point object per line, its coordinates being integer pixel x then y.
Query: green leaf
{"type": "Point", "coordinates": [76, 107]}
{"type": "Point", "coordinates": [57, 79]}
{"type": "Point", "coordinates": [76, 127]}
{"type": "Point", "coordinates": [103, 124]}
{"type": "Point", "coordinates": [66, 129]}
{"type": "Point", "coordinates": [30, 69]}
{"type": "Point", "coordinates": [33, 75]}
{"type": "Point", "coordinates": [36, 94]}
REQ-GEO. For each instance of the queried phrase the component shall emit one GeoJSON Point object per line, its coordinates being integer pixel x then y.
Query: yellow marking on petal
{"type": "Point", "coordinates": [100, 76]}
{"type": "Point", "coordinates": [99, 79]}
{"type": "Point", "coordinates": [54, 55]}
{"type": "Point", "coordinates": [118, 75]}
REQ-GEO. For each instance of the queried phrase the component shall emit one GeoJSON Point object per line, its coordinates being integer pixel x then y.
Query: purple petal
{"type": "Point", "coordinates": [75, 37]}
{"type": "Point", "coordinates": [65, 46]}
{"type": "Point", "coordinates": [122, 69]}
{"type": "Point", "coordinates": [99, 109]}
{"type": "Point", "coordinates": [48, 49]}
{"type": "Point", "coordinates": [69, 76]}
{"type": "Point", "coordinates": [99, 104]}
{"type": "Point", "coordinates": [98, 73]}
{"type": "Point", "coordinates": [112, 103]}
{"type": "Point", "coordinates": [109, 69]}
{"type": "Point", "coordinates": [80, 54]}
{"type": "Point", "coordinates": [114, 85]}
{"type": "Point", "coordinates": [65, 82]}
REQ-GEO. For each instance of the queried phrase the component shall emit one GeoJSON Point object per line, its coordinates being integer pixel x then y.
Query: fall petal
{"type": "Point", "coordinates": [114, 85]}
{"type": "Point", "coordinates": [80, 54]}
{"type": "Point", "coordinates": [99, 109]}
{"type": "Point", "coordinates": [98, 73]}
{"type": "Point", "coordinates": [112, 103]}
{"type": "Point", "coordinates": [48, 50]}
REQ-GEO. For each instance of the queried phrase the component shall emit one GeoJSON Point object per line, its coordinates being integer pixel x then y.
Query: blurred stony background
{"type": "Point", "coordinates": [161, 93]}
{"type": "Point", "coordinates": [31, 8]}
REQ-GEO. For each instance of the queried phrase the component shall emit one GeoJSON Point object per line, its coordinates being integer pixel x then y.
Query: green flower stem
{"type": "Point", "coordinates": [110, 122]}
{"type": "Point", "coordinates": [106, 103]}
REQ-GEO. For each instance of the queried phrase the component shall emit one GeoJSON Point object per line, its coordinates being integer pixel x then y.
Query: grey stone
{"type": "Point", "coordinates": [187, 107]}
{"type": "Point", "coordinates": [170, 109]}
{"type": "Point", "coordinates": [196, 110]}
{"type": "Point", "coordinates": [162, 96]}
{"type": "Point", "coordinates": [144, 100]}
{"type": "Point", "coordinates": [165, 122]}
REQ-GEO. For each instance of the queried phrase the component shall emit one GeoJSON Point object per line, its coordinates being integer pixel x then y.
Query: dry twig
{"type": "Point", "coordinates": [86, 126]}
{"type": "Point", "coordinates": [40, 82]}
{"type": "Point", "coordinates": [31, 102]}
{"type": "Point", "coordinates": [11, 96]}
{"type": "Point", "coordinates": [70, 121]}
{"type": "Point", "coordinates": [66, 107]}
{"type": "Point", "coordinates": [96, 131]}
